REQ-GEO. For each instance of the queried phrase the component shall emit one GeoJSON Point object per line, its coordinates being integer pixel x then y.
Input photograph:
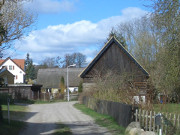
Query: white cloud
{"type": "Point", "coordinates": [50, 6]}
{"type": "Point", "coordinates": [82, 36]}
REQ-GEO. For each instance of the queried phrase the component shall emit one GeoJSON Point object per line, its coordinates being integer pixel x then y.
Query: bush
{"type": "Point", "coordinates": [80, 87]}
{"type": "Point", "coordinates": [4, 97]}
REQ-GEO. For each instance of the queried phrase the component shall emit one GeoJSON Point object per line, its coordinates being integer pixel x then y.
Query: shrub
{"type": "Point", "coordinates": [80, 87]}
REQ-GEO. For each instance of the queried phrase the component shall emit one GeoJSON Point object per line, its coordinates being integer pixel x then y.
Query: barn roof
{"type": "Point", "coordinates": [50, 77]}
{"type": "Point", "coordinates": [106, 46]}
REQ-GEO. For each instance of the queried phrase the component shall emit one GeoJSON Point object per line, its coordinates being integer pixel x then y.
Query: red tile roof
{"type": "Point", "coordinates": [18, 62]}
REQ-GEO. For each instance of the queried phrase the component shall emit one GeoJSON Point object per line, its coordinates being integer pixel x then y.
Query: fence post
{"type": "Point", "coordinates": [174, 120]}
{"type": "Point", "coordinates": [140, 116]}
{"type": "Point", "coordinates": [143, 115]}
{"type": "Point", "coordinates": [146, 120]}
{"type": "Point", "coordinates": [178, 122]}
{"type": "Point", "coordinates": [136, 115]}
{"type": "Point", "coordinates": [154, 121]}
{"type": "Point", "coordinates": [150, 121]}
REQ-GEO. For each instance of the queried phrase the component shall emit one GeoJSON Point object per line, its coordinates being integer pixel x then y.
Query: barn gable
{"type": "Point", "coordinates": [113, 56]}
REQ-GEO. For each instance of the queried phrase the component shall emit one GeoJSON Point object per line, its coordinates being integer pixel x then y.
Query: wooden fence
{"type": "Point", "coordinates": [170, 122]}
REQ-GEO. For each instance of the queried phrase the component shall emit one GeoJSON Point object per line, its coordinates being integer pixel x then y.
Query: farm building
{"type": "Point", "coordinates": [51, 77]}
{"type": "Point", "coordinates": [114, 57]}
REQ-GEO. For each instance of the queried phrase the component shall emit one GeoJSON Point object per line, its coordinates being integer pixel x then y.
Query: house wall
{"type": "Point", "coordinates": [114, 59]}
{"type": "Point", "coordinates": [16, 71]}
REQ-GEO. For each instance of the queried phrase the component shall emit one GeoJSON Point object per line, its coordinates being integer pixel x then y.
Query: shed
{"type": "Point", "coordinates": [113, 57]}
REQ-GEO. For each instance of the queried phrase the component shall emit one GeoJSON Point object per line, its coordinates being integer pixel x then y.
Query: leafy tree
{"type": "Point", "coordinates": [166, 20]}
{"type": "Point", "coordinates": [80, 87]}
{"type": "Point", "coordinates": [29, 68]}
{"type": "Point", "coordinates": [62, 85]}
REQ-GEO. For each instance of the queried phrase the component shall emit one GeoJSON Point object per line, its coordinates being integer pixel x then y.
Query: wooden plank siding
{"type": "Point", "coordinates": [114, 59]}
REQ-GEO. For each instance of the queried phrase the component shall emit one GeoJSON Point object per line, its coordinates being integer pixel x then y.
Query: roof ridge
{"type": "Point", "coordinates": [112, 39]}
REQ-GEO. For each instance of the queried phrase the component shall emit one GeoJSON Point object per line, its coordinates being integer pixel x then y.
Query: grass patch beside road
{"type": "Point", "coordinates": [170, 108]}
{"type": "Point", "coordinates": [16, 111]}
{"type": "Point", "coordinates": [102, 120]}
{"type": "Point", "coordinates": [11, 129]}
{"type": "Point", "coordinates": [62, 130]}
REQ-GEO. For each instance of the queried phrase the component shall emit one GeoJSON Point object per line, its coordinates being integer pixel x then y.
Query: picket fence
{"type": "Point", "coordinates": [147, 121]}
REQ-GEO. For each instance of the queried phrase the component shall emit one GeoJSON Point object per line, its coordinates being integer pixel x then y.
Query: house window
{"type": "Point", "coordinates": [10, 67]}
{"type": "Point", "coordinates": [16, 77]}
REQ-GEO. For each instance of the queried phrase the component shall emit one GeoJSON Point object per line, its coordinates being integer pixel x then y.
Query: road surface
{"type": "Point", "coordinates": [41, 120]}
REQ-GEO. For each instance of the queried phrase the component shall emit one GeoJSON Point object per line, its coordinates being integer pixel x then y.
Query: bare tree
{"type": "Point", "coordinates": [48, 62]}
{"type": "Point", "coordinates": [76, 58]}
{"type": "Point", "coordinates": [15, 20]}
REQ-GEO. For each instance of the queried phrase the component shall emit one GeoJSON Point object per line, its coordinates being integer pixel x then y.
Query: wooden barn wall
{"type": "Point", "coordinates": [114, 59]}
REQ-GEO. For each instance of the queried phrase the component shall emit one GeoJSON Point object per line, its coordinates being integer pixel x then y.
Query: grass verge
{"type": "Point", "coordinates": [38, 101]}
{"type": "Point", "coordinates": [11, 129]}
{"type": "Point", "coordinates": [62, 130]}
{"type": "Point", "coordinates": [102, 120]}
{"type": "Point", "coordinates": [170, 108]}
{"type": "Point", "coordinates": [16, 111]}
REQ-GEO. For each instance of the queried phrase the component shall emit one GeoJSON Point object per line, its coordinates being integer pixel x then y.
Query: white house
{"type": "Point", "coordinates": [16, 67]}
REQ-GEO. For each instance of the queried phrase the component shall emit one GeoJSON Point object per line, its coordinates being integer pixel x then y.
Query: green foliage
{"type": "Point", "coordinates": [166, 20]}
{"type": "Point", "coordinates": [4, 97]}
{"type": "Point", "coordinates": [11, 129]}
{"type": "Point", "coordinates": [62, 130]}
{"type": "Point", "coordinates": [118, 35]}
{"type": "Point", "coordinates": [29, 68]}
{"type": "Point", "coordinates": [102, 120]}
{"type": "Point", "coordinates": [62, 85]}
{"type": "Point", "coordinates": [80, 87]}
{"type": "Point", "coordinates": [170, 108]}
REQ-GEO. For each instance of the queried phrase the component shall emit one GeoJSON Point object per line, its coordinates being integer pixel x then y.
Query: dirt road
{"type": "Point", "coordinates": [42, 119]}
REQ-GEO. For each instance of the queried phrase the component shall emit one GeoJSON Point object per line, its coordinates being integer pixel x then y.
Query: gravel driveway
{"type": "Point", "coordinates": [42, 119]}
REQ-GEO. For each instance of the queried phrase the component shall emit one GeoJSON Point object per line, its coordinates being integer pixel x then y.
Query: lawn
{"type": "Point", "coordinates": [11, 129]}
{"type": "Point", "coordinates": [170, 108]}
{"type": "Point", "coordinates": [102, 120]}
{"type": "Point", "coordinates": [16, 112]}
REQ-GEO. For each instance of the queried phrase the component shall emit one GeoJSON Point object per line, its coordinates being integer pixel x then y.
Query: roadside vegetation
{"type": "Point", "coordinates": [14, 127]}
{"type": "Point", "coordinates": [62, 130]}
{"type": "Point", "coordinates": [102, 120]}
{"type": "Point", "coordinates": [11, 129]}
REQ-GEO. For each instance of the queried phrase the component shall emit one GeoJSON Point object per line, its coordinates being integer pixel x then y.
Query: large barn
{"type": "Point", "coordinates": [51, 77]}
{"type": "Point", "coordinates": [113, 57]}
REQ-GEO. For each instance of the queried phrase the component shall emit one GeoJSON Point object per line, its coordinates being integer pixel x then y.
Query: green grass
{"type": "Point", "coordinates": [170, 108]}
{"type": "Point", "coordinates": [102, 120]}
{"type": "Point", "coordinates": [47, 102]}
{"type": "Point", "coordinates": [38, 101]}
{"type": "Point", "coordinates": [16, 111]}
{"type": "Point", "coordinates": [62, 130]}
{"type": "Point", "coordinates": [11, 129]}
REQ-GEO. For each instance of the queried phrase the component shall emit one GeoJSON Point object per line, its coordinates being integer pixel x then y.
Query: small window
{"type": "Point", "coordinates": [10, 67]}
{"type": "Point", "coordinates": [16, 77]}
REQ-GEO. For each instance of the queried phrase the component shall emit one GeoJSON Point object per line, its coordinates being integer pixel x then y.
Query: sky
{"type": "Point", "coordinates": [68, 26]}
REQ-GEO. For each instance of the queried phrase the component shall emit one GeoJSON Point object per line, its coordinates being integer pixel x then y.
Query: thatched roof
{"type": "Point", "coordinates": [51, 77]}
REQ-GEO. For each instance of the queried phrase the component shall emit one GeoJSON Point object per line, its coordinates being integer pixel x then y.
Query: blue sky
{"type": "Point", "coordinates": [67, 26]}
